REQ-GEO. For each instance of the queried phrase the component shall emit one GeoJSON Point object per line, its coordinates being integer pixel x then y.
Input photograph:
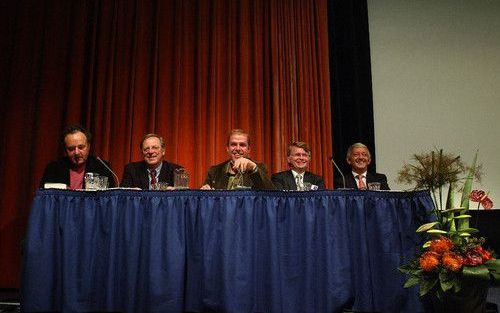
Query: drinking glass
{"type": "Point", "coordinates": [161, 186]}
{"type": "Point", "coordinates": [103, 182]}
{"type": "Point", "coordinates": [91, 181]}
{"type": "Point", "coordinates": [181, 178]}
{"type": "Point", "coordinates": [373, 186]}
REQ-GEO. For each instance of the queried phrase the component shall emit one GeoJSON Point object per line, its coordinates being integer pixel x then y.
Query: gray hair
{"type": "Point", "coordinates": [357, 145]}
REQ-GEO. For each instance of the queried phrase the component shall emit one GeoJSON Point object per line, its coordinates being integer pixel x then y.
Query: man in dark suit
{"type": "Point", "coordinates": [153, 169]}
{"type": "Point", "coordinates": [239, 170]}
{"type": "Point", "coordinates": [359, 157]}
{"type": "Point", "coordinates": [297, 178]}
{"type": "Point", "coordinates": [70, 170]}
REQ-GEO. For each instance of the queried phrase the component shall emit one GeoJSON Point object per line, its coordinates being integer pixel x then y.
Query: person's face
{"type": "Point", "coordinates": [152, 151]}
{"type": "Point", "coordinates": [298, 159]}
{"type": "Point", "coordinates": [238, 147]}
{"type": "Point", "coordinates": [77, 148]}
{"type": "Point", "coordinates": [359, 160]}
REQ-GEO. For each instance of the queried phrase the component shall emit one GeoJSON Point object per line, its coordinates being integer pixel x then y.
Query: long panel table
{"type": "Point", "coordinates": [221, 251]}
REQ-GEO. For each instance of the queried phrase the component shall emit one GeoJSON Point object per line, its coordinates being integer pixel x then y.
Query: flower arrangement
{"type": "Point", "coordinates": [451, 255]}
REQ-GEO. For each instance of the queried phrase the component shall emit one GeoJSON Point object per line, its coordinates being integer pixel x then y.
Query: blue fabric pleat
{"type": "Point", "coordinates": [221, 251]}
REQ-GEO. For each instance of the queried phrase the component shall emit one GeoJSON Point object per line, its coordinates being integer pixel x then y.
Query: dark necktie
{"type": "Point", "coordinates": [152, 173]}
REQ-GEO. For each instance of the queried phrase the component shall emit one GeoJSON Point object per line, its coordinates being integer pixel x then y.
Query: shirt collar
{"type": "Point", "coordinates": [158, 168]}
{"type": "Point", "coordinates": [295, 174]}
{"type": "Point", "coordinates": [356, 174]}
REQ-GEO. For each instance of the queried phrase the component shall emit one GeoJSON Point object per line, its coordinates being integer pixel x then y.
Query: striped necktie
{"type": "Point", "coordinates": [152, 173]}
{"type": "Point", "coordinates": [361, 182]}
{"type": "Point", "coordinates": [299, 181]}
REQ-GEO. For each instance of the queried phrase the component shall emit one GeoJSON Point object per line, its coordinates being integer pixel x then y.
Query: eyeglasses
{"type": "Point", "coordinates": [298, 155]}
{"type": "Point", "coordinates": [152, 148]}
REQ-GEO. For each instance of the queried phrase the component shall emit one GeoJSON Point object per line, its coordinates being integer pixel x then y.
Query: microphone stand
{"type": "Point", "coordinates": [110, 170]}
{"type": "Point", "coordinates": [341, 174]}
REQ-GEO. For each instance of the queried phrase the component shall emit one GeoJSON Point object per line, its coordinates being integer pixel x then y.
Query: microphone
{"type": "Point", "coordinates": [110, 170]}
{"type": "Point", "coordinates": [338, 169]}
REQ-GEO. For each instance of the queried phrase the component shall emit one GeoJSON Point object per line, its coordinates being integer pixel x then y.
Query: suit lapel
{"type": "Point", "coordinates": [351, 181]}
{"type": "Point", "coordinates": [292, 185]}
{"type": "Point", "coordinates": [307, 177]}
{"type": "Point", "coordinates": [370, 178]}
{"type": "Point", "coordinates": [163, 177]}
{"type": "Point", "coordinates": [144, 176]}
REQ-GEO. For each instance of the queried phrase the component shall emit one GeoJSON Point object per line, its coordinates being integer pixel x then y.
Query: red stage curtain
{"type": "Point", "coordinates": [187, 70]}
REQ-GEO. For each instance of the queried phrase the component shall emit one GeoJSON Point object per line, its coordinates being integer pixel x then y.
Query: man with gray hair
{"type": "Point", "coordinates": [359, 157]}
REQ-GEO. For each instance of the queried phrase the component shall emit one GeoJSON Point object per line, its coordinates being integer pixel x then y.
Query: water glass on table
{"type": "Point", "coordinates": [181, 178]}
{"type": "Point", "coordinates": [373, 186]}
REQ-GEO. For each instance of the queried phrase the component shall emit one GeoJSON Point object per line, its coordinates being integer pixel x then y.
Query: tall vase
{"type": "Point", "coordinates": [470, 299]}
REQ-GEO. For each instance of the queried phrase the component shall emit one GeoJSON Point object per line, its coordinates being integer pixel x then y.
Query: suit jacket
{"type": "Point", "coordinates": [136, 174]}
{"type": "Point", "coordinates": [218, 177]}
{"type": "Point", "coordinates": [58, 171]}
{"type": "Point", "coordinates": [285, 180]}
{"type": "Point", "coordinates": [350, 181]}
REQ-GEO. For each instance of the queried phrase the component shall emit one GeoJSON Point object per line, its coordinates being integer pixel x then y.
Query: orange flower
{"type": "Point", "coordinates": [452, 261]}
{"type": "Point", "coordinates": [429, 261]}
{"type": "Point", "coordinates": [441, 245]}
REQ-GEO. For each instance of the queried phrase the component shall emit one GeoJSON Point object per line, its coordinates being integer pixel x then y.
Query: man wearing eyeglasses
{"type": "Point", "coordinates": [298, 178]}
{"type": "Point", "coordinates": [153, 169]}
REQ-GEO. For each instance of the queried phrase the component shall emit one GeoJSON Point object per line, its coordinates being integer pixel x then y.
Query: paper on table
{"type": "Point", "coordinates": [55, 186]}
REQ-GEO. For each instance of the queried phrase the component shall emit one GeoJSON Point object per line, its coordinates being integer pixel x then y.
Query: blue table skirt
{"type": "Point", "coordinates": [221, 251]}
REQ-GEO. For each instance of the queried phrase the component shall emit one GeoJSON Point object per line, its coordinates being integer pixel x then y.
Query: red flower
{"type": "Point", "coordinates": [476, 256]}
{"type": "Point", "coordinates": [481, 197]}
{"type": "Point", "coordinates": [487, 203]}
{"type": "Point", "coordinates": [429, 261]}
{"type": "Point", "coordinates": [452, 261]}
{"type": "Point", "coordinates": [477, 195]}
{"type": "Point", "coordinates": [441, 245]}
{"type": "Point", "coordinates": [485, 254]}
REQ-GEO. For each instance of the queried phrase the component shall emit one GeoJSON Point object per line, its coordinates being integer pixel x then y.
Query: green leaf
{"type": "Point", "coordinates": [493, 267]}
{"type": "Point", "coordinates": [436, 231]}
{"type": "Point", "coordinates": [477, 272]}
{"type": "Point", "coordinates": [446, 285]}
{"type": "Point", "coordinates": [450, 199]}
{"type": "Point", "coordinates": [468, 230]}
{"type": "Point", "coordinates": [427, 244]}
{"type": "Point", "coordinates": [462, 216]}
{"type": "Point", "coordinates": [426, 227]}
{"type": "Point", "coordinates": [407, 268]}
{"type": "Point", "coordinates": [465, 235]}
{"type": "Point", "coordinates": [453, 210]}
{"type": "Point", "coordinates": [462, 224]}
{"type": "Point", "coordinates": [426, 285]}
{"type": "Point", "coordinates": [448, 280]}
{"type": "Point", "coordinates": [412, 281]}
